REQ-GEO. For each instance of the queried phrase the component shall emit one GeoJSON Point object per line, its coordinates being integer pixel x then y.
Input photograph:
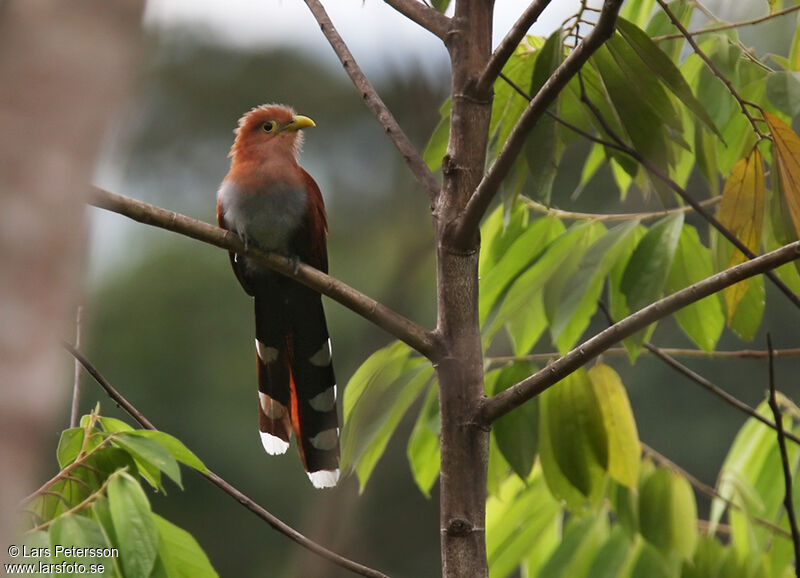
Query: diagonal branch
{"type": "Point", "coordinates": [429, 18]}
{"type": "Point", "coordinates": [404, 329]}
{"type": "Point", "coordinates": [502, 403]}
{"type": "Point", "coordinates": [703, 382]}
{"type": "Point", "coordinates": [787, 469]}
{"type": "Point", "coordinates": [729, 26]}
{"type": "Point", "coordinates": [374, 102]}
{"type": "Point", "coordinates": [236, 494]}
{"type": "Point", "coordinates": [507, 46]}
{"type": "Point", "coordinates": [490, 184]}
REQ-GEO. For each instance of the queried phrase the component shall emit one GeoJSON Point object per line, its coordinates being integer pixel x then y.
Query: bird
{"type": "Point", "coordinates": [272, 203]}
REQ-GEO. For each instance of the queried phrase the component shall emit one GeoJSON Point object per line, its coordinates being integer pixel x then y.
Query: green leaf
{"type": "Point", "coordinates": [408, 394]}
{"type": "Point", "coordinates": [370, 397]}
{"type": "Point", "coordinates": [573, 425]}
{"type": "Point", "coordinates": [536, 276]}
{"type": "Point", "coordinates": [527, 246]}
{"type": "Point", "coordinates": [668, 513]}
{"type": "Point", "coordinates": [663, 68]}
{"type": "Point", "coordinates": [440, 5]}
{"type": "Point", "coordinates": [149, 454]}
{"type": "Point", "coordinates": [702, 321]}
{"type": "Point", "coordinates": [543, 148]}
{"type": "Point", "coordinates": [635, 68]}
{"type": "Point", "coordinates": [648, 268]}
{"type": "Point", "coordinates": [783, 91]}
{"type": "Point", "coordinates": [752, 477]}
{"type": "Point", "coordinates": [523, 515]}
{"type": "Point", "coordinates": [583, 538]}
{"type": "Point", "coordinates": [517, 432]}
{"type": "Point", "coordinates": [750, 312]}
{"type": "Point", "coordinates": [437, 145]}
{"type": "Point", "coordinates": [650, 563]}
{"type": "Point", "coordinates": [624, 451]}
{"type": "Point", "coordinates": [640, 120]}
{"type": "Point", "coordinates": [179, 553]}
{"type": "Point", "coordinates": [637, 11]}
{"type": "Point", "coordinates": [527, 326]}
{"type": "Point", "coordinates": [69, 446]}
{"type": "Point", "coordinates": [578, 300]}
{"type": "Point", "coordinates": [613, 556]}
{"type": "Point", "coordinates": [174, 446]}
{"type": "Point", "coordinates": [101, 513]}
{"type": "Point", "coordinates": [133, 525]}
{"type": "Point", "coordinates": [114, 425]}
{"type": "Point", "coordinates": [423, 452]}
{"type": "Point", "coordinates": [80, 531]}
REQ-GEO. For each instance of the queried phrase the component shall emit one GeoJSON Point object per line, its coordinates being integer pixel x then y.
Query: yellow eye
{"type": "Point", "coordinates": [269, 126]}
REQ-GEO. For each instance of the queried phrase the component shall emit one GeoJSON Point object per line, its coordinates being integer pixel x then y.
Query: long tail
{"type": "Point", "coordinates": [296, 383]}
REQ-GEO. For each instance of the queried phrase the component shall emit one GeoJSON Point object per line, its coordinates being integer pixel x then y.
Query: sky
{"type": "Point", "coordinates": [375, 32]}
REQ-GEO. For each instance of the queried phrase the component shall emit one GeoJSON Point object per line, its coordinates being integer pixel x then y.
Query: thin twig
{"type": "Point", "coordinates": [604, 217]}
{"type": "Point", "coordinates": [76, 382]}
{"type": "Point", "coordinates": [708, 490]}
{"type": "Point", "coordinates": [414, 335]}
{"type": "Point", "coordinates": [722, 27]}
{"type": "Point", "coordinates": [683, 194]}
{"type": "Point", "coordinates": [743, 104]}
{"type": "Point", "coordinates": [494, 407]}
{"type": "Point", "coordinates": [374, 102]}
{"type": "Point", "coordinates": [429, 18]}
{"type": "Point", "coordinates": [702, 381]}
{"type": "Point", "coordinates": [229, 489]}
{"type": "Point", "coordinates": [507, 46]}
{"type": "Point", "coordinates": [787, 469]}
{"type": "Point", "coordinates": [673, 351]}
{"type": "Point", "coordinates": [478, 203]}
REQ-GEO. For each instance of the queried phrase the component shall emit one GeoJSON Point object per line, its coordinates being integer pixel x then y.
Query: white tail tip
{"type": "Point", "coordinates": [324, 478]}
{"type": "Point", "coordinates": [273, 445]}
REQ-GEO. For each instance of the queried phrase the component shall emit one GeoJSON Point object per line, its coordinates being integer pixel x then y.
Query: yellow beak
{"type": "Point", "coordinates": [299, 122]}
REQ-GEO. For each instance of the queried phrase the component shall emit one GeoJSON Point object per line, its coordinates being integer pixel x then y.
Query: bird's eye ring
{"type": "Point", "coordinates": [268, 126]}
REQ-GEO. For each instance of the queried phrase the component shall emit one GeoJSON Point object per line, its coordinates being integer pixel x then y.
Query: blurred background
{"type": "Point", "coordinates": [166, 322]}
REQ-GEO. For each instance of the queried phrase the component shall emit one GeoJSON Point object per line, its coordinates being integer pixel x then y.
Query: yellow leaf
{"type": "Point", "coordinates": [624, 452]}
{"type": "Point", "coordinates": [742, 212]}
{"type": "Point", "coordinates": [787, 154]}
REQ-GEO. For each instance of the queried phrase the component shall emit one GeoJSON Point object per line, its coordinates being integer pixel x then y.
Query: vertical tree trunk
{"type": "Point", "coordinates": [465, 446]}
{"type": "Point", "coordinates": [65, 67]}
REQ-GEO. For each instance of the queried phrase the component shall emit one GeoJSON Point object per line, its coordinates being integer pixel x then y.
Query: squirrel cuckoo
{"type": "Point", "coordinates": [271, 202]}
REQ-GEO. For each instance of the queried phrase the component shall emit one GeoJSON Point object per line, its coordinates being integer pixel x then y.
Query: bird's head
{"type": "Point", "coordinates": [267, 130]}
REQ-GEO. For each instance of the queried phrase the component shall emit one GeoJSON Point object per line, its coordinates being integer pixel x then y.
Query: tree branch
{"type": "Point", "coordinates": [374, 102]}
{"type": "Point", "coordinates": [787, 469]}
{"type": "Point", "coordinates": [607, 217]}
{"type": "Point", "coordinates": [495, 407]}
{"type": "Point", "coordinates": [672, 351]}
{"type": "Point", "coordinates": [404, 329]}
{"type": "Point", "coordinates": [722, 27]}
{"type": "Point", "coordinates": [743, 104]}
{"type": "Point", "coordinates": [229, 489]}
{"type": "Point", "coordinates": [703, 382]}
{"type": "Point", "coordinates": [490, 184]}
{"type": "Point", "coordinates": [507, 46]}
{"type": "Point", "coordinates": [429, 18]}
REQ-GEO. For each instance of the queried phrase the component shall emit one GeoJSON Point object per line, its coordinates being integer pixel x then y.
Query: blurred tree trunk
{"type": "Point", "coordinates": [65, 69]}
